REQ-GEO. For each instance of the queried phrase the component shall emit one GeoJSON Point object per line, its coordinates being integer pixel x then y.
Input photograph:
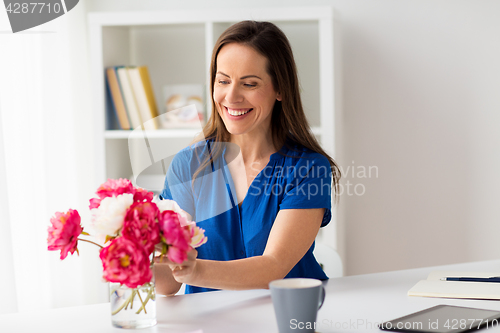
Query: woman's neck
{"type": "Point", "coordinates": [254, 148]}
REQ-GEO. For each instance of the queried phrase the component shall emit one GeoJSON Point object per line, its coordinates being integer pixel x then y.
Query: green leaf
{"type": "Point", "coordinates": [109, 238]}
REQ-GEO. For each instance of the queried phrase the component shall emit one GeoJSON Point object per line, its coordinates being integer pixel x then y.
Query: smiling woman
{"type": "Point", "coordinates": [260, 222]}
{"type": "Point", "coordinates": [243, 92]}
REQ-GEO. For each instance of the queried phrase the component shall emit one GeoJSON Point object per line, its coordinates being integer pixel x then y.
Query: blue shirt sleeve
{"type": "Point", "coordinates": [177, 185]}
{"type": "Point", "coordinates": [309, 185]}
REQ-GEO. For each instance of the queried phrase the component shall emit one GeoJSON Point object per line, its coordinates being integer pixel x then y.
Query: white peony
{"type": "Point", "coordinates": [166, 204]}
{"type": "Point", "coordinates": [108, 218]}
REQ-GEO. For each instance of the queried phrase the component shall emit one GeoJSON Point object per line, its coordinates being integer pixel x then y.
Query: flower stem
{"type": "Point", "coordinates": [130, 300]}
{"type": "Point", "coordinates": [143, 305]}
{"type": "Point", "coordinates": [85, 240]}
{"type": "Point", "coordinates": [123, 304]}
{"type": "Point", "coordinates": [133, 297]}
{"type": "Point", "coordinates": [150, 296]}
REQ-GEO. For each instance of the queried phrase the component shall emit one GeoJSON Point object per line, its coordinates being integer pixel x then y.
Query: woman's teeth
{"type": "Point", "coordinates": [237, 112]}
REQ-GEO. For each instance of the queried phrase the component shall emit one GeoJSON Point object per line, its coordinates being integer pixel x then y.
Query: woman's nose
{"type": "Point", "coordinates": [234, 95]}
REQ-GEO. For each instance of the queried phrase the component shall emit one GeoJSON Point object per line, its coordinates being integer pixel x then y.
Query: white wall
{"type": "Point", "coordinates": [420, 85]}
{"type": "Point", "coordinates": [421, 82]}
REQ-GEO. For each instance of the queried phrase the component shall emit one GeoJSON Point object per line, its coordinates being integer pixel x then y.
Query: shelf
{"type": "Point", "coordinates": [165, 133]}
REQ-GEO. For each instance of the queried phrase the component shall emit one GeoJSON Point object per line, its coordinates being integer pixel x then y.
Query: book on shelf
{"type": "Point", "coordinates": [116, 98]}
{"type": "Point", "coordinates": [128, 97]}
{"type": "Point", "coordinates": [132, 97]}
{"type": "Point", "coordinates": [144, 96]}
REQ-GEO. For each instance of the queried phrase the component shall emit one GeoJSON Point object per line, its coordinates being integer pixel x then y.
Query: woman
{"type": "Point", "coordinates": [258, 182]}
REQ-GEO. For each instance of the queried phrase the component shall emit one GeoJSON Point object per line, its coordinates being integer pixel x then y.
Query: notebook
{"type": "Point", "coordinates": [434, 287]}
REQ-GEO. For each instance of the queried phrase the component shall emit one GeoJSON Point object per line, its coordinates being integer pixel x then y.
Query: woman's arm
{"type": "Point", "coordinates": [165, 283]}
{"type": "Point", "coordinates": [292, 234]}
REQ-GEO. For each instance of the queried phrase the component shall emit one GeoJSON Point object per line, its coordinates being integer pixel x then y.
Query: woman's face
{"type": "Point", "coordinates": [243, 90]}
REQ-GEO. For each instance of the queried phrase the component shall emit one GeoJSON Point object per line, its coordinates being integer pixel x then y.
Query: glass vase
{"type": "Point", "coordinates": [133, 307]}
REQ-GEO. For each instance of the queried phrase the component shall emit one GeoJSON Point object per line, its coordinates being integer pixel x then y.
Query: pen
{"type": "Point", "coordinates": [472, 279]}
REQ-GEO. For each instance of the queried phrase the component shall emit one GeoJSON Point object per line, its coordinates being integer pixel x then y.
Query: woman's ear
{"type": "Point", "coordinates": [278, 97]}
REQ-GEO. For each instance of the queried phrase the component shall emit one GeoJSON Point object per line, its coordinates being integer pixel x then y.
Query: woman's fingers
{"type": "Point", "coordinates": [163, 260]}
{"type": "Point", "coordinates": [183, 269]}
{"type": "Point", "coordinates": [192, 254]}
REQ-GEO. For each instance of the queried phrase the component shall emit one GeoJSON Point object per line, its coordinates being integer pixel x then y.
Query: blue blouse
{"type": "Point", "coordinates": [294, 178]}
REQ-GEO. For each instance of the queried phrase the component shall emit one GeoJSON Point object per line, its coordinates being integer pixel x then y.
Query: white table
{"type": "Point", "coordinates": [352, 304]}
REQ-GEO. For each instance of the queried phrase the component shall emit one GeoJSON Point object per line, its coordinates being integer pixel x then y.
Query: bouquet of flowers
{"type": "Point", "coordinates": [130, 224]}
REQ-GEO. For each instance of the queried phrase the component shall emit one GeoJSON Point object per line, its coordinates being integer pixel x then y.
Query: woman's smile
{"type": "Point", "coordinates": [237, 113]}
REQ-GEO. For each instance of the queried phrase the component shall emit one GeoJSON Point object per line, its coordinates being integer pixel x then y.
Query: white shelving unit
{"type": "Point", "coordinates": [177, 47]}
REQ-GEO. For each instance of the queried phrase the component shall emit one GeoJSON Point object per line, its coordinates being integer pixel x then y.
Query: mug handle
{"type": "Point", "coordinates": [322, 297]}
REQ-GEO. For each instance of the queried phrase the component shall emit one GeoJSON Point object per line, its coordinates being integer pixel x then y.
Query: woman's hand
{"type": "Point", "coordinates": [184, 272]}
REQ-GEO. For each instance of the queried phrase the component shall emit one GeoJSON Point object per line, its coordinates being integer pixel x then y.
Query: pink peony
{"type": "Point", "coordinates": [125, 261]}
{"type": "Point", "coordinates": [115, 187]}
{"type": "Point", "coordinates": [176, 254]}
{"type": "Point", "coordinates": [64, 232]}
{"type": "Point", "coordinates": [176, 236]}
{"type": "Point", "coordinates": [140, 225]}
{"type": "Point", "coordinates": [94, 203]}
{"type": "Point", "coordinates": [197, 235]}
{"type": "Point", "coordinates": [111, 188]}
{"type": "Point", "coordinates": [142, 195]}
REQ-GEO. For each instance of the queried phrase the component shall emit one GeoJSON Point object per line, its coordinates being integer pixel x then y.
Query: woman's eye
{"type": "Point", "coordinates": [223, 82]}
{"type": "Point", "coordinates": [250, 85]}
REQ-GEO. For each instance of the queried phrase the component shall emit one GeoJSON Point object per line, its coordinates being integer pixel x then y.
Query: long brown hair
{"type": "Point", "coordinates": [288, 120]}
